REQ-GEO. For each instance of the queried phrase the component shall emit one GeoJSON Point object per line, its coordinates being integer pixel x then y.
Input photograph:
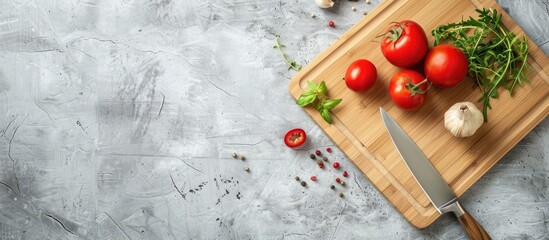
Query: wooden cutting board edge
{"type": "Point", "coordinates": [385, 182]}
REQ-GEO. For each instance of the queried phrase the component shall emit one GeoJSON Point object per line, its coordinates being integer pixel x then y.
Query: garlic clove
{"type": "Point", "coordinates": [324, 3]}
{"type": "Point", "coordinates": [454, 126]}
{"type": "Point", "coordinates": [463, 119]}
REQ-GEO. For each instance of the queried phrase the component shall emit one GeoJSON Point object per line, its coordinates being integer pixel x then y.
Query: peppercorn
{"type": "Point", "coordinates": [325, 159]}
{"type": "Point", "coordinates": [303, 183]}
{"type": "Point", "coordinates": [234, 155]}
{"type": "Point", "coordinates": [331, 24]}
{"type": "Point", "coordinates": [319, 162]}
{"type": "Point", "coordinates": [242, 158]}
{"type": "Point", "coordinates": [329, 150]}
{"type": "Point", "coordinates": [336, 164]}
{"type": "Point", "coordinates": [353, 8]}
{"type": "Point", "coordinates": [345, 174]}
{"type": "Point", "coordinates": [368, 1]}
{"type": "Point", "coordinates": [296, 178]}
{"type": "Point", "coordinates": [312, 156]}
{"type": "Point", "coordinates": [342, 183]}
{"type": "Point", "coordinates": [321, 165]}
{"type": "Point", "coordinates": [247, 169]}
{"type": "Point", "coordinates": [338, 180]}
{"type": "Point", "coordinates": [313, 15]}
{"type": "Point", "coordinates": [340, 194]}
{"type": "Point", "coordinates": [333, 187]}
{"type": "Point", "coordinates": [318, 152]}
{"type": "Point", "coordinates": [313, 178]}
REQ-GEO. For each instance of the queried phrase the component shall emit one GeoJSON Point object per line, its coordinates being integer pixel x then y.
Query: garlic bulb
{"type": "Point", "coordinates": [324, 3]}
{"type": "Point", "coordinates": [463, 119]}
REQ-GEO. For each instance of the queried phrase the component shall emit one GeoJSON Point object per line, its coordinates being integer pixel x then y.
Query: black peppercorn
{"type": "Point", "coordinates": [303, 183]}
{"type": "Point", "coordinates": [312, 156]}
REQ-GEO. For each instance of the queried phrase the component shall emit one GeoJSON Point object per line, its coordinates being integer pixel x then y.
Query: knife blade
{"type": "Point", "coordinates": [431, 182]}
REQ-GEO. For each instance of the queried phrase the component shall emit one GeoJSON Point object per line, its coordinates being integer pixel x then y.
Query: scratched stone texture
{"type": "Point", "coordinates": [118, 120]}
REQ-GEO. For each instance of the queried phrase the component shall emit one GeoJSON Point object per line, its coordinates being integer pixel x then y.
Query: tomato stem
{"type": "Point", "coordinates": [415, 88]}
{"type": "Point", "coordinates": [394, 33]}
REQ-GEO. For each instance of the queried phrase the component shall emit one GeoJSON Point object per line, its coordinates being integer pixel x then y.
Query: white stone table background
{"type": "Point", "coordinates": [118, 118]}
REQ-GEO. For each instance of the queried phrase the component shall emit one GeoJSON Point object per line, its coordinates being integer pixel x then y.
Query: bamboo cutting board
{"type": "Point", "coordinates": [358, 129]}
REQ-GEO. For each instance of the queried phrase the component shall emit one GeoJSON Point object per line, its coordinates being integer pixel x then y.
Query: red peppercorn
{"type": "Point", "coordinates": [329, 150]}
{"type": "Point", "coordinates": [318, 152]}
{"type": "Point", "coordinates": [321, 165]}
{"type": "Point", "coordinates": [313, 178]}
{"type": "Point", "coordinates": [331, 24]}
{"type": "Point", "coordinates": [336, 164]}
{"type": "Point", "coordinates": [338, 180]}
{"type": "Point", "coordinates": [345, 174]}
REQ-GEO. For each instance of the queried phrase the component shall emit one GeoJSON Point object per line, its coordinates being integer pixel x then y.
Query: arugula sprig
{"type": "Point", "coordinates": [497, 57]}
{"type": "Point", "coordinates": [318, 94]}
{"type": "Point", "coordinates": [291, 63]}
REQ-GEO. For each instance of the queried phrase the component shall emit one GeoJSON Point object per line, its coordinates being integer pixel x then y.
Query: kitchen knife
{"type": "Point", "coordinates": [430, 181]}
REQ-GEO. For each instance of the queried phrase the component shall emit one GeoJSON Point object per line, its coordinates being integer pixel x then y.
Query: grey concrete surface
{"type": "Point", "coordinates": [118, 119]}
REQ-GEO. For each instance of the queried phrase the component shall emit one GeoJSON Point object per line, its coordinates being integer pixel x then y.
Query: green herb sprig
{"type": "Point", "coordinates": [291, 63]}
{"type": "Point", "coordinates": [497, 57]}
{"type": "Point", "coordinates": [318, 94]}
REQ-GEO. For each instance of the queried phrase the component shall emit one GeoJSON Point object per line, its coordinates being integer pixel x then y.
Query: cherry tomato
{"type": "Point", "coordinates": [295, 138]}
{"type": "Point", "coordinates": [361, 75]}
{"type": "Point", "coordinates": [404, 44]}
{"type": "Point", "coordinates": [408, 89]}
{"type": "Point", "coordinates": [446, 65]}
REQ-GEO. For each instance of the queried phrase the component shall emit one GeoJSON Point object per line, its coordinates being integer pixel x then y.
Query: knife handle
{"type": "Point", "coordinates": [471, 226]}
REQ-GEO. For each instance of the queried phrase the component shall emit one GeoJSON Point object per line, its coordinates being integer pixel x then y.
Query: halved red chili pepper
{"type": "Point", "coordinates": [295, 138]}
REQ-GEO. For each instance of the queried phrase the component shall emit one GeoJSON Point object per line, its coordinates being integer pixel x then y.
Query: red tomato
{"type": "Point", "coordinates": [402, 87]}
{"type": "Point", "coordinates": [404, 44]}
{"type": "Point", "coordinates": [361, 75]}
{"type": "Point", "coordinates": [295, 138]}
{"type": "Point", "coordinates": [446, 65]}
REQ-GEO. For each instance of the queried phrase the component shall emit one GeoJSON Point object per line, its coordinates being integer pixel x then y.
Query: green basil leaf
{"type": "Point", "coordinates": [322, 88]}
{"type": "Point", "coordinates": [306, 98]}
{"type": "Point", "coordinates": [319, 107]}
{"type": "Point", "coordinates": [325, 113]}
{"type": "Point", "coordinates": [312, 86]}
{"type": "Point", "coordinates": [331, 103]}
